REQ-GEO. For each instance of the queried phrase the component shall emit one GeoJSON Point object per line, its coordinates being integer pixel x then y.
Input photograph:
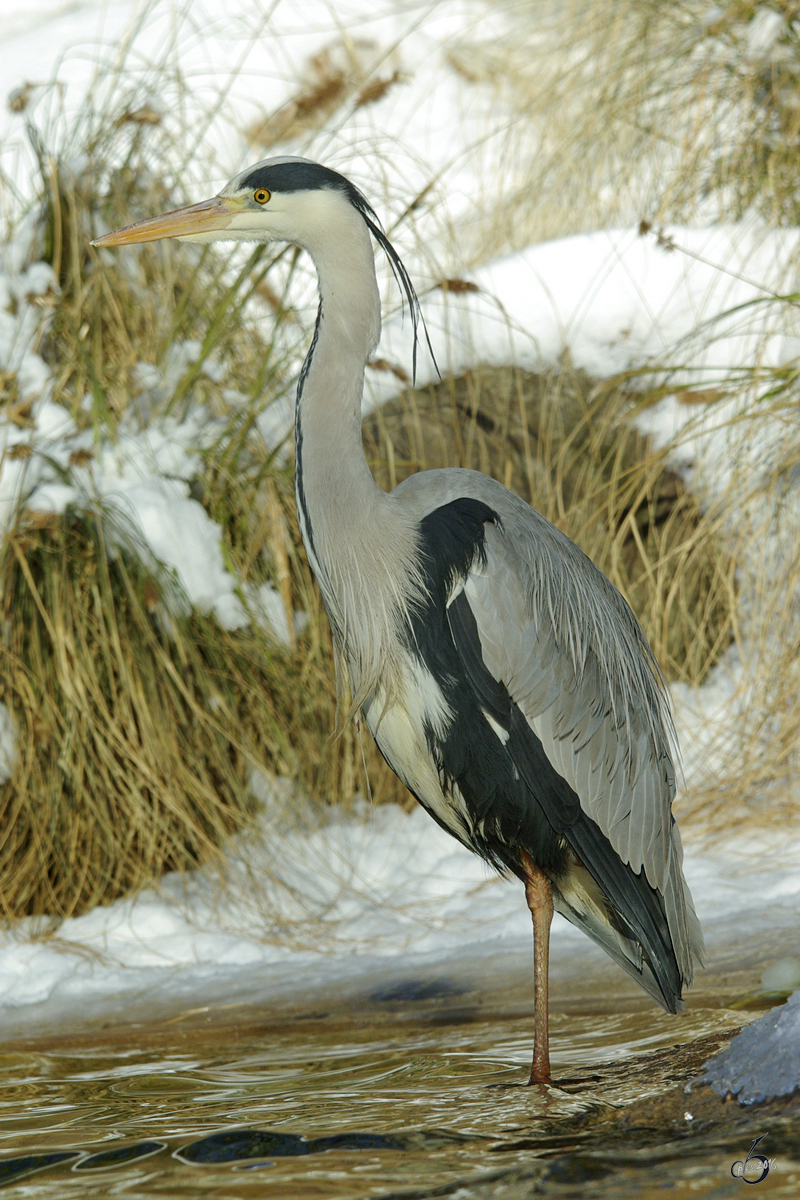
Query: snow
{"type": "Point", "coordinates": [763, 32]}
{"type": "Point", "coordinates": [617, 300]}
{"type": "Point", "coordinates": [267, 604]}
{"type": "Point", "coordinates": [783, 975]}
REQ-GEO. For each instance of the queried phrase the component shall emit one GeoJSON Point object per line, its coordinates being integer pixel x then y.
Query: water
{"type": "Point", "coordinates": [426, 1071]}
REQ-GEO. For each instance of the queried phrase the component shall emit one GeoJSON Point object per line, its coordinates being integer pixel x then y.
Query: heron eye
{"type": "Point", "coordinates": [261, 196]}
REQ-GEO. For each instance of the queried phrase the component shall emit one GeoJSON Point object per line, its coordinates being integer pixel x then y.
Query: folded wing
{"type": "Point", "coordinates": [587, 716]}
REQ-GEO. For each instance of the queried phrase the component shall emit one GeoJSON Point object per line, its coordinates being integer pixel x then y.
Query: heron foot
{"type": "Point", "coordinates": [540, 1079]}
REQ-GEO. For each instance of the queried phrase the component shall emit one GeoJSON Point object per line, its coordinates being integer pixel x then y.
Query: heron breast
{"type": "Point", "coordinates": [402, 729]}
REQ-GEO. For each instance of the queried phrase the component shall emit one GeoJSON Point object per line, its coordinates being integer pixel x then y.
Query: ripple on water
{"type": "Point", "coordinates": [390, 1099]}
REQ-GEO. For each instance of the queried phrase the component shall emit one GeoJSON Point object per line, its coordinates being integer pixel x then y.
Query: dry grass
{"type": "Point", "coordinates": [129, 760]}
{"type": "Point", "coordinates": [349, 69]}
{"type": "Point", "coordinates": [625, 110]}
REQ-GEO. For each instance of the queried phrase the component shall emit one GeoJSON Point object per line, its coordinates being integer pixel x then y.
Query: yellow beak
{"type": "Point", "coordinates": [206, 217]}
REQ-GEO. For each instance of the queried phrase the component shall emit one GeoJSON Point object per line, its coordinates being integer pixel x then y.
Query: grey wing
{"type": "Point", "coordinates": [574, 661]}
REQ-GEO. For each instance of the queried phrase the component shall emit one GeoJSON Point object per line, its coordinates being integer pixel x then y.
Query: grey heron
{"type": "Point", "coordinates": [504, 679]}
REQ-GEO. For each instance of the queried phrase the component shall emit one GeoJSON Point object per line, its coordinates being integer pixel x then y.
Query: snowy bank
{"type": "Point", "coordinates": [691, 307]}
{"type": "Point", "coordinates": [389, 895]}
{"type": "Point", "coordinates": [696, 302]}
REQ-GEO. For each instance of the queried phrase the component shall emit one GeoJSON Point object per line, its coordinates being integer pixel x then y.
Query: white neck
{"type": "Point", "coordinates": [357, 537]}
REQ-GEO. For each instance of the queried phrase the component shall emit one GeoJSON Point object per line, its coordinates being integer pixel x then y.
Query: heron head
{"type": "Point", "coordinates": [280, 199]}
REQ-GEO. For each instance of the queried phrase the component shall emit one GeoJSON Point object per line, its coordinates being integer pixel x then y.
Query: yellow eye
{"type": "Point", "coordinates": [261, 196]}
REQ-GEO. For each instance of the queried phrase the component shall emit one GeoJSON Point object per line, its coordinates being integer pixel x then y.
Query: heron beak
{"type": "Point", "coordinates": [209, 216]}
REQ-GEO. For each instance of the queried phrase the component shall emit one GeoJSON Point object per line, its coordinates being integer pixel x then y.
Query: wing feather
{"type": "Point", "coordinates": [576, 663]}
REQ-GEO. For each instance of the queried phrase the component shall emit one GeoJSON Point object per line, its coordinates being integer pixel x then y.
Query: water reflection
{"type": "Point", "coordinates": [120, 1156]}
{"type": "Point", "coordinates": [414, 1088]}
{"type": "Point", "coordinates": [14, 1169]}
{"type": "Point", "coordinates": [237, 1144]}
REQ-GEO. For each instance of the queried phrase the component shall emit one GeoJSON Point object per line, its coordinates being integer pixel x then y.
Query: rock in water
{"type": "Point", "coordinates": [763, 1061]}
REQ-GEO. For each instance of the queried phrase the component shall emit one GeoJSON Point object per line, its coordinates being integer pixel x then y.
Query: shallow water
{"type": "Point", "coordinates": [425, 1072]}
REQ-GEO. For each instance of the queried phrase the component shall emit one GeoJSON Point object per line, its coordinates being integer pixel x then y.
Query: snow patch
{"type": "Point", "coordinates": [305, 902]}
{"type": "Point", "coordinates": [617, 300]}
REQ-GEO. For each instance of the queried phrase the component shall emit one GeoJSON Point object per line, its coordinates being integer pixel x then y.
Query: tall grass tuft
{"type": "Point", "coordinates": [131, 760]}
{"type": "Point", "coordinates": [138, 730]}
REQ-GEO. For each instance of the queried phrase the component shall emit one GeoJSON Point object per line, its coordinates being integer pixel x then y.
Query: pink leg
{"type": "Point", "coordinates": [539, 895]}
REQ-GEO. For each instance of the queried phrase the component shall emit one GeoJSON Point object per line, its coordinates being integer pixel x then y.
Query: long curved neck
{"type": "Point", "coordinates": [356, 537]}
{"type": "Point", "coordinates": [335, 489]}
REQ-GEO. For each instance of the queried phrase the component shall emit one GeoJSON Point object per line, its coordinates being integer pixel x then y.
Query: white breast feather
{"type": "Point", "coordinates": [399, 729]}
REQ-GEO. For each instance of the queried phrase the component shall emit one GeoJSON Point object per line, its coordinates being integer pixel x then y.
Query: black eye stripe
{"type": "Point", "coordinates": [297, 177]}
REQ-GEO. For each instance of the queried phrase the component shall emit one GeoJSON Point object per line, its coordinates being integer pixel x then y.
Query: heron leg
{"type": "Point", "coordinates": [539, 895]}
